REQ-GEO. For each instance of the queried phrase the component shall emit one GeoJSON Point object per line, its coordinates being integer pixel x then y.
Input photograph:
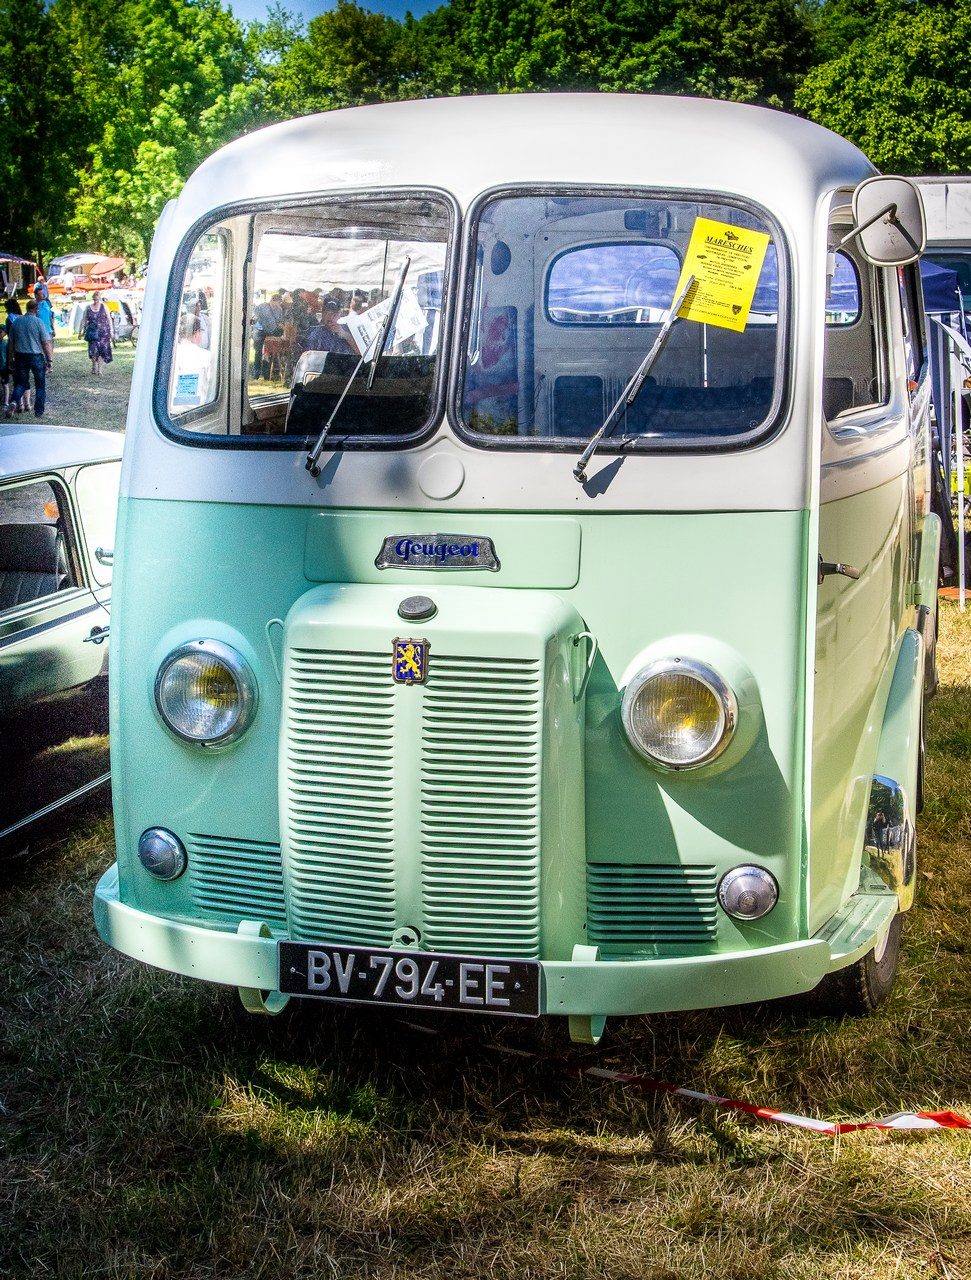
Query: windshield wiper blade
{"type": "Point", "coordinates": [632, 390]}
{"type": "Point", "coordinates": [389, 320]}
{"type": "Point", "coordinates": [375, 351]}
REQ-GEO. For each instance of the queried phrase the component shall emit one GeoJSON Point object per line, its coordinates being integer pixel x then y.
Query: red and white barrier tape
{"type": "Point", "coordinates": [901, 1120]}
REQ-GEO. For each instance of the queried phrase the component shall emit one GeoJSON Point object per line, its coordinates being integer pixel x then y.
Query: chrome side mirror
{"type": "Point", "coordinates": [888, 840]}
{"type": "Point", "coordinates": [888, 218]}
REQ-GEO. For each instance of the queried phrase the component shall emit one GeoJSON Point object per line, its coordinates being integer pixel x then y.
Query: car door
{"type": "Point", "coordinates": [53, 657]}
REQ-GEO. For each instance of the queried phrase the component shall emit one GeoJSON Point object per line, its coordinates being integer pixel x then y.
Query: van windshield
{"type": "Point", "coordinates": [317, 282]}
{"type": "Point", "coordinates": [567, 295]}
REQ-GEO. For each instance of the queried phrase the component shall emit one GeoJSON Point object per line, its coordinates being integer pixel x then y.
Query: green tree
{"type": "Point", "coordinates": [899, 91]}
{"type": "Point", "coordinates": [35, 130]}
{"type": "Point", "coordinates": [746, 50]}
{"type": "Point", "coordinates": [349, 57]}
{"type": "Point", "coordinates": [169, 82]}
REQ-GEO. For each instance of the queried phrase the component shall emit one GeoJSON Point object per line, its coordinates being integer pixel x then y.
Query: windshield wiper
{"type": "Point", "coordinates": [375, 351]}
{"type": "Point", "coordinates": [632, 390]}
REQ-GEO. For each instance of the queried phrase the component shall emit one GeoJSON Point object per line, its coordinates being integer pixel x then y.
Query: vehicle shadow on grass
{"type": "Point", "coordinates": [150, 1121]}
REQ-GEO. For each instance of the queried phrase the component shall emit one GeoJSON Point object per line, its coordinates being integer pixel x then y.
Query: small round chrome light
{"type": "Point", "coordinates": [679, 713]}
{"type": "Point", "coordinates": [162, 854]}
{"type": "Point", "coordinates": [205, 693]}
{"type": "Point", "coordinates": [748, 893]}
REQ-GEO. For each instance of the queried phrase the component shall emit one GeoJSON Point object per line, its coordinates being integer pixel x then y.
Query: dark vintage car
{"type": "Point", "coordinates": [58, 497]}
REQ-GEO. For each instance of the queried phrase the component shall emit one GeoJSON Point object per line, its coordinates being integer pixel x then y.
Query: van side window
{"type": "Point", "coordinates": [855, 363]}
{"type": "Point", "coordinates": [34, 558]}
{"type": "Point", "coordinates": [912, 316]}
{"type": "Point", "coordinates": [194, 381]}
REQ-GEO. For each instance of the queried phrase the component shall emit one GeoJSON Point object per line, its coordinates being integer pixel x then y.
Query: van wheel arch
{"type": "Point", "coordinates": [864, 985]}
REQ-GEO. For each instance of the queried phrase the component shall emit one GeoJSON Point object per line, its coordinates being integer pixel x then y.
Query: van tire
{"type": "Point", "coordinates": [864, 985]}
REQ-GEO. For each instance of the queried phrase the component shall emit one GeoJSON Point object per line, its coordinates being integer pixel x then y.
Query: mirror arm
{"type": "Point", "coordinates": [880, 213]}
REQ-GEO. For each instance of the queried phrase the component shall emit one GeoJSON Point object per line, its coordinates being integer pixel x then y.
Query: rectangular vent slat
{"type": "Point", "coordinates": [632, 907]}
{"type": "Point", "coordinates": [236, 879]}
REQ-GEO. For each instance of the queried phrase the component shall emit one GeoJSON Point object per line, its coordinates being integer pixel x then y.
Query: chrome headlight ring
{"type": "Point", "coordinates": [218, 657]}
{"type": "Point", "coordinates": [690, 669]}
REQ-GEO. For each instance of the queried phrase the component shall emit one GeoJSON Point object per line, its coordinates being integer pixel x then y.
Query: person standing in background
{"type": "Point", "coordinates": [33, 355]}
{"type": "Point", "coordinates": [5, 374]}
{"type": "Point", "coordinates": [267, 323]}
{"type": "Point", "coordinates": [44, 308]}
{"type": "Point", "coordinates": [98, 334]}
{"type": "Point", "coordinates": [13, 314]}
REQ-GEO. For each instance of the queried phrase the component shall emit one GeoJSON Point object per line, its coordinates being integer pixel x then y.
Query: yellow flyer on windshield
{"type": "Point", "coordinates": [725, 262]}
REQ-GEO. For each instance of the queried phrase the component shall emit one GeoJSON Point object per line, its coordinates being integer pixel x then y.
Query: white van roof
{"type": "Point", "coordinates": [468, 145]}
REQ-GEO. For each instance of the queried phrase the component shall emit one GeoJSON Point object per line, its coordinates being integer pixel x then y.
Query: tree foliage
{"type": "Point", "coordinates": [185, 80]}
{"type": "Point", "coordinates": [107, 105]}
{"type": "Point", "coordinates": [899, 90]}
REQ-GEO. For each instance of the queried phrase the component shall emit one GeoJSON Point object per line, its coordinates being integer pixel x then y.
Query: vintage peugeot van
{"type": "Point", "coordinates": [525, 589]}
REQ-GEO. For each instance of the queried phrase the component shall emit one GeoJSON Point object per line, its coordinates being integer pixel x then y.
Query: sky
{"type": "Point", "coordinates": [250, 10]}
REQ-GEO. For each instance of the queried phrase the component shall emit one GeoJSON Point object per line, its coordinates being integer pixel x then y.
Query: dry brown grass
{"type": "Point", "coordinates": [148, 1131]}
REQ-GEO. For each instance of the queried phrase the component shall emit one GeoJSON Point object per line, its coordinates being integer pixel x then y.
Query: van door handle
{"type": "Point", "coordinates": [829, 567]}
{"type": "Point", "coordinates": [97, 635]}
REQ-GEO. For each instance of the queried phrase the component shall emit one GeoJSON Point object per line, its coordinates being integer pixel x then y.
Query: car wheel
{"type": "Point", "coordinates": [862, 986]}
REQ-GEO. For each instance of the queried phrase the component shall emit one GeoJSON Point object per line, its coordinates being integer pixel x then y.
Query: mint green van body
{"type": "Point", "coordinates": [433, 766]}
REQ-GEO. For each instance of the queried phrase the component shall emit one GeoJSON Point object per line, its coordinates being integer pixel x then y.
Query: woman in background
{"type": "Point", "coordinates": [98, 333]}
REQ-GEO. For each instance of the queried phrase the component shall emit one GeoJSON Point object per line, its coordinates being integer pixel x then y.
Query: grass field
{"type": "Point", "coordinates": [75, 397]}
{"type": "Point", "coordinates": [148, 1131]}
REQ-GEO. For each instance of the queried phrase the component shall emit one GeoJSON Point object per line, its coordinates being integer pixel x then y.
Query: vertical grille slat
{"type": "Point", "coordinates": [339, 752]}
{"type": "Point", "coordinates": [480, 794]}
{"type": "Point", "coordinates": [633, 907]}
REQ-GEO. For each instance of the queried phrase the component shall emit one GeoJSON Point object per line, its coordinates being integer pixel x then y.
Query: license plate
{"type": "Point", "coordinates": [414, 979]}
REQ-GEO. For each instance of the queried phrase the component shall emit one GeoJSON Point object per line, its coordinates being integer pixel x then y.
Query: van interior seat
{"type": "Point", "coordinates": [32, 563]}
{"type": "Point", "coordinates": [397, 403]}
{"type": "Point", "coordinates": [838, 396]}
{"type": "Point", "coordinates": [662, 410]}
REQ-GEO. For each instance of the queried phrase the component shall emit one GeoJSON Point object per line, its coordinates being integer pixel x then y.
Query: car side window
{"type": "Point", "coordinates": [855, 366]}
{"type": "Point", "coordinates": [35, 556]}
{"type": "Point", "coordinates": [96, 489]}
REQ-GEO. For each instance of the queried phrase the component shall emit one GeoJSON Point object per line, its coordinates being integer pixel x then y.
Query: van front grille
{"type": "Point", "coordinates": [633, 908]}
{"type": "Point", "coordinates": [236, 879]}
{"type": "Point", "coordinates": [415, 806]}
{"type": "Point", "coordinates": [480, 806]}
{"type": "Point", "coordinates": [339, 753]}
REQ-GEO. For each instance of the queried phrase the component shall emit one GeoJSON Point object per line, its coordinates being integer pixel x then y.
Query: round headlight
{"type": "Point", "coordinates": [679, 713]}
{"type": "Point", "coordinates": [748, 893]}
{"type": "Point", "coordinates": [206, 693]}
